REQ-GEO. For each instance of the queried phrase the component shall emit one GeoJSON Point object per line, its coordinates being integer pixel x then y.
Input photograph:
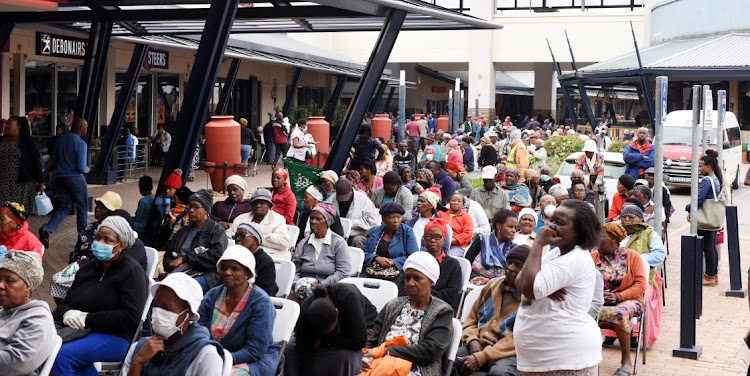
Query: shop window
{"type": "Point", "coordinates": [39, 81]}
{"type": "Point", "coordinates": [67, 91]}
{"type": "Point", "coordinates": [308, 95]}
{"type": "Point", "coordinates": [168, 100]}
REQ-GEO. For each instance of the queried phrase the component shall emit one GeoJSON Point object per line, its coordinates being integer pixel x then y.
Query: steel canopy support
{"type": "Point", "coordinates": [291, 90]}
{"type": "Point", "coordinates": [226, 91]}
{"type": "Point", "coordinates": [87, 101]}
{"type": "Point", "coordinates": [333, 103]}
{"type": "Point", "coordinates": [200, 87]}
{"type": "Point", "coordinates": [388, 100]}
{"type": "Point", "coordinates": [564, 89]}
{"type": "Point", "coordinates": [645, 86]}
{"type": "Point", "coordinates": [98, 174]}
{"type": "Point", "coordinates": [378, 96]}
{"type": "Point", "coordinates": [370, 77]}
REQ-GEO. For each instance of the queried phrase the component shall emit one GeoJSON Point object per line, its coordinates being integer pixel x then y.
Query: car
{"type": "Point", "coordinates": [614, 167]}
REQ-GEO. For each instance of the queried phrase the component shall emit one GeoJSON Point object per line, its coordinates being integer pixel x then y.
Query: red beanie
{"type": "Point", "coordinates": [174, 179]}
{"type": "Point", "coordinates": [453, 166]}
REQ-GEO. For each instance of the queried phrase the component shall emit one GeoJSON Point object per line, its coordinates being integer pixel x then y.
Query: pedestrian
{"type": "Point", "coordinates": [639, 155]}
{"type": "Point", "coordinates": [280, 133]}
{"type": "Point", "coordinates": [22, 166]}
{"type": "Point", "coordinates": [247, 139]}
{"type": "Point", "coordinates": [412, 131]}
{"type": "Point", "coordinates": [268, 138]}
{"type": "Point", "coordinates": [468, 150]}
{"type": "Point", "coordinates": [70, 158]}
{"type": "Point", "coordinates": [709, 189]}
{"type": "Point", "coordinates": [365, 148]}
{"type": "Point", "coordinates": [423, 130]}
{"type": "Point", "coordinates": [591, 162]}
{"type": "Point", "coordinates": [161, 144]}
{"type": "Point", "coordinates": [298, 150]}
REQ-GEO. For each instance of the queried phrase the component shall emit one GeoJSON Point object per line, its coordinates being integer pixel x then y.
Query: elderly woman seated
{"type": "Point", "coordinates": [422, 322]}
{"type": "Point", "coordinates": [106, 299]}
{"type": "Point", "coordinates": [427, 207]}
{"type": "Point", "coordinates": [624, 285]}
{"type": "Point", "coordinates": [461, 224]}
{"type": "Point", "coordinates": [519, 195]}
{"type": "Point", "coordinates": [240, 316]}
{"type": "Point", "coordinates": [393, 190]}
{"type": "Point", "coordinates": [328, 180]}
{"type": "Point", "coordinates": [224, 212]}
{"type": "Point", "coordinates": [250, 236]}
{"type": "Point", "coordinates": [14, 230]}
{"type": "Point", "coordinates": [487, 251]}
{"type": "Point", "coordinates": [196, 249]}
{"type": "Point", "coordinates": [388, 245]}
{"type": "Point", "coordinates": [180, 346]}
{"type": "Point", "coordinates": [322, 257]}
{"type": "Point", "coordinates": [641, 237]}
{"type": "Point", "coordinates": [276, 238]}
{"type": "Point", "coordinates": [463, 183]}
{"type": "Point", "coordinates": [26, 325]}
{"type": "Point", "coordinates": [448, 286]}
{"type": "Point", "coordinates": [314, 195]}
{"type": "Point", "coordinates": [526, 224]}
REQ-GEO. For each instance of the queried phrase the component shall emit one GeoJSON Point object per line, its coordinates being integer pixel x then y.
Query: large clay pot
{"type": "Point", "coordinates": [381, 127]}
{"type": "Point", "coordinates": [321, 132]}
{"type": "Point", "coordinates": [222, 146]}
{"type": "Point", "coordinates": [443, 123]}
{"type": "Point", "coordinates": [209, 167]}
{"type": "Point", "coordinates": [417, 117]}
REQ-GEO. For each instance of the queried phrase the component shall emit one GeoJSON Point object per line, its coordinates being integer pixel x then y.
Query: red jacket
{"type": "Point", "coordinates": [285, 204]}
{"type": "Point", "coordinates": [462, 226]}
{"type": "Point", "coordinates": [22, 240]}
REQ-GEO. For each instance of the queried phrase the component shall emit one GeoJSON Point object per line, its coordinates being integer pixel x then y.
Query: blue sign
{"type": "Point", "coordinates": [723, 101]}
{"type": "Point", "coordinates": [664, 92]}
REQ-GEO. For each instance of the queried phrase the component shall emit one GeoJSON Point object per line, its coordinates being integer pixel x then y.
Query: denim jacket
{"type": "Point", "coordinates": [403, 244]}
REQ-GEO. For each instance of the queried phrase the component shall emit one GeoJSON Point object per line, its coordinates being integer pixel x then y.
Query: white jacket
{"type": "Point", "coordinates": [362, 212]}
{"type": "Point", "coordinates": [276, 239]}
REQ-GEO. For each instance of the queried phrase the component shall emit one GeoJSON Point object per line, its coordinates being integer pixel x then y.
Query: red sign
{"type": "Point", "coordinates": [439, 89]}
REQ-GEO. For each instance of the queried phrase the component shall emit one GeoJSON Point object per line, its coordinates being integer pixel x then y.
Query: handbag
{"type": "Point", "coordinates": [69, 334]}
{"type": "Point", "coordinates": [43, 204]}
{"type": "Point", "coordinates": [711, 213]}
{"type": "Point", "coordinates": [379, 272]}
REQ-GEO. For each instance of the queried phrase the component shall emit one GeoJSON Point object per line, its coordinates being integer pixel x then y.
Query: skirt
{"type": "Point", "coordinates": [590, 371]}
{"type": "Point", "coordinates": [621, 313]}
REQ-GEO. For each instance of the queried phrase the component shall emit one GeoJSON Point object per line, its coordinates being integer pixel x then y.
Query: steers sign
{"type": "Point", "coordinates": [60, 46]}
{"type": "Point", "coordinates": [157, 59]}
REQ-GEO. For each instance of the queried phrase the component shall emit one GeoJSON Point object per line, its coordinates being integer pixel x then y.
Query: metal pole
{"type": "Point", "coordinates": [402, 106]}
{"type": "Point", "coordinates": [721, 102]}
{"type": "Point", "coordinates": [450, 110]}
{"type": "Point", "coordinates": [333, 103]}
{"type": "Point", "coordinates": [697, 133]}
{"type": "Point", "coordinates": [291, 90]}
{"type": "Point", "coordinates": [378, 97]}
{"type": "Point", "coordinates": [662, 85]}
{"type": "Point", "coordinates": [564, 89]}
{"type": "Point", "coordinates": [733, 248]}
{"type": "Point", "coordinates": [687, 347]}
{"type": "Point", "coordinates": [476, 107]}
{"type": "Point", "coordinates": [581, 87]}
{"type": "Point", "coordinates": [226, 91]}
{"type": "Point", "coordinates": [462, 106]}
{"type": "Point", "coordinates": [388, 100]}
{"type": "Point", "coordinates": [456, 108]}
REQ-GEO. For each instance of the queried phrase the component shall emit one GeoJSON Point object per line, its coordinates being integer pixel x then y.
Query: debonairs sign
{"type": "Point", "coordinates": [60, 46]}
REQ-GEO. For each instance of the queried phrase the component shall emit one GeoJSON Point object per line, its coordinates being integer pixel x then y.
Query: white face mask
{"type": "Point", "coordinates": [549, 210]}
{"type": "Point", "coordinates": [165, 322]}
{"type": "Point", "coordinates": [429, 157]}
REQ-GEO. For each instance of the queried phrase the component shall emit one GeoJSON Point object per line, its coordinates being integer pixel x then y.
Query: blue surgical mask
{"type": "Point", "coordinates": [102, 251]}
{"type": "Point", "coordinates": [544, 178]}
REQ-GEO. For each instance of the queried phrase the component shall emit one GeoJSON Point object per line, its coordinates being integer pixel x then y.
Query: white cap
{"type": "Point", "coordinates": [489, 172]}
{"type": "Point", "coordinates": [241, 255]}
{"type": "Point", "coordinates": [186, 288]}
{"type": "Point", "coordinates": [424, 263]}
{"type": "Point", "coordinates": [590, 145]}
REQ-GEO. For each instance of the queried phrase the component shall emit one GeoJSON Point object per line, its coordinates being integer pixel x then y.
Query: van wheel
{"type": "Point", "coordinates": [736, 182]}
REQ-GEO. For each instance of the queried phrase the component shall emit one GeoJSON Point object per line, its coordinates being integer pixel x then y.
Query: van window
{"type": "Point", "coordinates": [734, 137]}
{"type": "Point", "coordinates": [684, 136]}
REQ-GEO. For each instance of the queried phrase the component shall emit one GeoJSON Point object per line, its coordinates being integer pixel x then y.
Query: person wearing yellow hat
{"type": "Point", "coordinates": [247, 139]}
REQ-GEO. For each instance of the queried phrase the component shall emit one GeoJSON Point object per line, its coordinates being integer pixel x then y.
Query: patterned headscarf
{"type": "Point", "coordinates": [284, 174]}
{"type": "Point", "coordinates": [353, 174]}
{"type": "Point", "coordinates": [15, 211]}
{"type": "Point", "coordinates": [327, 210]}
{"type": "Point", "coordinates": [427, 174]}
{"type": "Point", "coordinates": [514, 136]}
{"type": "Point", "coordinates": [616, 231]}
{"type": "Point", "coordinates": [431, 197]}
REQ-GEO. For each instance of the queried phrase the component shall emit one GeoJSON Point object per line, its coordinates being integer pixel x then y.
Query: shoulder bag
{"type": "Point", "coordinates": [711, 213]}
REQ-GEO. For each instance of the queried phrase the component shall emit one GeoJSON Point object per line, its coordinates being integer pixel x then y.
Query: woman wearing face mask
{"type": "Point", "coordinates": [180, 345]}
{"type": "Point", "coordinates": [224, 212]}
{"type": "Point", "coordinates": [429, 155]}
{"type": "Point", "coordinates": [299, 144]}
{"type": "Point", "coordinates": [240, 316]}
{"type": "Point", "coordinates": [107, 298]}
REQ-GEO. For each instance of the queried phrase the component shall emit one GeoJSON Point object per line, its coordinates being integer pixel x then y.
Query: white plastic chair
{"type": "Point", "coordinates": [378, 291]}
{"type": "Point", "coordinates": [226, 368]}
{"type": "Point", "coordinates": [293, 235]}
{"type": "Point", "coordinates": [465, 277]}
{"type": "Point", "coordinates": [285, 270]}
{"type": "Point", "coordinates": [469, 301]}
{"type": "Point", "coordinates": [287, 313]}
{"type": "Point", "coordinates": [347, 225]}
{"type": "Point", "coordinates": [455, 342]}
{"type": "Point", "coordinates": [47, 367]}
{"type": "Point", "coordinates": [153, 258]}
{"type": "Point", "coordinates": [43, 249]}
{"type": "Point", "coordinates": [356, 259]}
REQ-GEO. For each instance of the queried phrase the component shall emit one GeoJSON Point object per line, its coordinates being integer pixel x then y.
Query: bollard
{"type": "Point", "coordinates": [733, 248]}
{"type": "Point", "coordinates": [691, 245]}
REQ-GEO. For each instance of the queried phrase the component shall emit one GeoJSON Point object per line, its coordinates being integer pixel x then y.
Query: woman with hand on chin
{"type": "Point", "coordinates": [553, 330]}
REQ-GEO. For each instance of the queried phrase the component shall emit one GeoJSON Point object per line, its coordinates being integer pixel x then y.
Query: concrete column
{"type": "Point", "coordinates": [19, 84]}
{"type": "Point", "coordinates": [481, 69]}
{"type": "Point", "coordinates": [545, 89]}
{"type": "Point", "coordinates": [5, 83]}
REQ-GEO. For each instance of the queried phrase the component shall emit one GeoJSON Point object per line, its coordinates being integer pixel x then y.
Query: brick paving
{"type": "Point", "coordinates": [720, 330]}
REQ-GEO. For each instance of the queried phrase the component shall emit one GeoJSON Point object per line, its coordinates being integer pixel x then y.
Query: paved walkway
{"type": "Point", "coordinates": [720, 331]}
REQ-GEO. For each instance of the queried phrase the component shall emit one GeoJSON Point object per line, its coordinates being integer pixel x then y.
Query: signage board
{"type": "Point", "coordinates": [60, 46]}
{"type": "Point", "coordinates": [722, 106]}
{"type": "Point", "coordinates": [664, 92]}
{"type": "Point", "coordinates": [439, 89]}
{"type": "Point", "coordinates": [157, 59]}
{"type": "Point", "coordinates": [708, 110]}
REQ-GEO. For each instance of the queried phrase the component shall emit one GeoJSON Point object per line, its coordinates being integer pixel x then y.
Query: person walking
{"type": "Point", "coordinates": [70, 157]}
{"type": "Point", "coordinates": [247, 139]}
{"type": "Point", "coordinates": [22, 166]}
{"type": "Point", "coordinates": [280, 133]}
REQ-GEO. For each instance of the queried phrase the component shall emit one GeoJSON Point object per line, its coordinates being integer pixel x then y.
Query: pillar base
{"type": "Point", "coordinates": [488, 113]}
{"type": "Point", "coordinates": [688, 352]}
{"type": "Point", "coordinates": [107, 177]}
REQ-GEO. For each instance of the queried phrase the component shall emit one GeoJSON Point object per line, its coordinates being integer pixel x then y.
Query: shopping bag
{"type": "Point", "coordinates": [653, 310]}
{"type": "Point", "coordinates": [712, 212]}
{"type": "Point", "coordinates": [43, 204]}
{"type": "Point", "coordinates": [387, 365]}
{"type": "Point", "coordinates": [68, 274]}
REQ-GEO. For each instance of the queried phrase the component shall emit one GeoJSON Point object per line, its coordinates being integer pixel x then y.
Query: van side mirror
{"type": "Point", "coordinates": [726, 145]}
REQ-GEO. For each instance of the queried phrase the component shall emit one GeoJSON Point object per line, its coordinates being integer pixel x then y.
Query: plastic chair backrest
{"type": "Point", "coordinates": [456, 339]}
{"type": "Point", "coordinates": [356, 259]}
{"type": "Point", "coordinates": [287, 313]}
{"type": "Point", "coordinates": [347, 225]}
{"type": "Point", "coordinates": [293, 235]}
{"type": "Point", "coordinates": [465, 271]}
{"type": "Point", "coordinates": [226, 368]}
{"type": "Point", "coordinates": [469, 302]}
{"type": "Point", "coordinates": [378, 291]}
{"type": "Point", "coordinates": [284, 276]}
{"type": "Point", "coordinates": [47, 367]}
{"type": "Point", "coordinates": [153, 259]}
{"type": "Point", "coordinates": [43, 249]}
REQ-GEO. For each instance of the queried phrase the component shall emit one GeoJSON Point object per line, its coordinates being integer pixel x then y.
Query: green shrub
{"type": "Point", "coordinates": [618, 146]}
{"type": "Point", "coordinates": [476, 182]}
{"type": "Point", "coordinates": [297, 113]}
{"type": "Point", "coordinates": [563, 145]}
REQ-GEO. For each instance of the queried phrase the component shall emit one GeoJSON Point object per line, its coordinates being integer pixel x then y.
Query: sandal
{"type": "Point", "coordinates": [621, 372]}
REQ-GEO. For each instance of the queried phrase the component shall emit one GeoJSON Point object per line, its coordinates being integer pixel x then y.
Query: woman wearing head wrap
{"type": "Point", "coordinates": [283, 198]}
{"type": "Point", "coordinates": [526, 223]}
{"type": "Point", "coordinates": [388, 245]}
{"type": "Point", "coordinates": [322, 257]}
{"type": "Point", "coordinates": [518, 156]}
{"type": "Point", "coordinates": [642, 238]}
{"type": "Point", "coordinates": [624, 285]}
{"type": "Point", "coordinates": [487, 153]}
{"type": "Point", "coordinates": [224, 212]}
{"type": "Point", "coordinates": [393, 191]}
{"type": "Point", "coordinates": [407, 177]}
{"type": "Point", "coordinates": [26, 323]}
{"type": "Point", "coordinates": [240, 316]}
{"type": "Point", "coordinates": [591, 162]}
{"type": "Point", "coordinates": [250, 236]}
{"type": "Point", "coordinates": [14, 230]}
{"type": "Point", "coordinates": [422, 319]}
{"type": "Point", "coordinates": [314, 195]}
{"type": "Point", "coordinates": [428, 203]}
{"type": "Point", "coordinates": [518, 193]}
{"type": "Point", "coordinates": [625, 184]}
{"type": "Point", "coordinates": [448, 286]}
{"type": "Point", "coordinates": [328, 180]}
{"type": "Point", "coordinates": [424, 179]}
{"type": "Point", "coordinates": [428, 155]}
{"type": "Point", "coordinates": [455, 154]}
{"type": "Point", "coordinates": [107, 297]}
{"type": "Point", "coordinates": [195, 249]}
{"type": "Point", "coordinates": [463, 183]}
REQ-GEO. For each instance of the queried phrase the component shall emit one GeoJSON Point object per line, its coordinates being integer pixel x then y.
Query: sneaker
{"type": "Point", "coordinates": [44, 237]}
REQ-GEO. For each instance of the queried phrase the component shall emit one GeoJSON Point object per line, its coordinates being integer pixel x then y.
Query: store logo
{"type": "Point", "coordinates": [46, 39]}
